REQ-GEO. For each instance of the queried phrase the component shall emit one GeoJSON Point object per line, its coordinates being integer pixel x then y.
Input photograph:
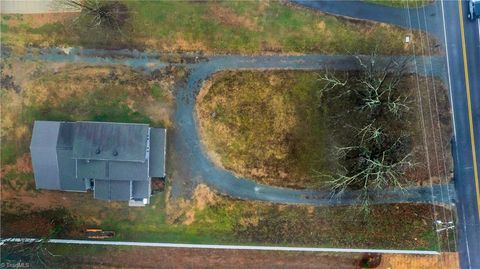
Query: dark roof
{"type": "Point", "coordinates": [66, 166]}
{"type": "Point", "coordinates": [128, 171]}
{"type": "Point", "coordinates": [112, 190]}
{"type": "Point", "coordinates": [157, 152]}
{"type": "Point", "coordinates": [110, 141]}
{"type": "Point", "coordinates": [65, 135]}
{"type": "Point", "coordinates": [64, 156]}
{"type": "Point", "coordinates": [92, 169]}
{"type": "Point", "coordinates": [112, 170]}
{"type": "Point", "coordinates": [141, 189]}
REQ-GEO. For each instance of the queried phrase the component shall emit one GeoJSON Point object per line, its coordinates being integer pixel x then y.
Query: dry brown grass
{"type": "Point", "coordinates": [183, 211]}
{"type": "Point", "coordinates": [447, 260]}
{"type": "Point", "coordinates": [227, 16]}
{"type": "Point", "coordinates": [47, 89]}
{"type": "Point", "coordinates": [260, 125]}
{"type": "Point", "coordinates": [214, 27]}
{"type": "Point", "coordinates": [254, 126]}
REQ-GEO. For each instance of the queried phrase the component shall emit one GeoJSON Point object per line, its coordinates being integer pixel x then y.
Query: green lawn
{"type": "Point", "coordinates": [150, 224]}
{"type": "Point", "coordinates": [229, 221]}
{"type": "Point", "coordinates": [214, 27]}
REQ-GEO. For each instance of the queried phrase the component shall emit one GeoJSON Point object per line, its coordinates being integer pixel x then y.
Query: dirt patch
{"type": "Point", "coordinates": [23, 165]}
{"type": "Point", "coordinates": [228, 17]}
{"type": "Point", "coordinates": [445, 260]}
{"type": "Point", "coordinates": [23, 227]}
{"type": "Point", "coordinates": [57, 222]}
{"type": "Point", "coordinates": [39, 20]}
{"type": "Point", "coordinates": [183, 211]}
{"type": "Point", "coordinates": [433, 132]}
{"type": "Point", "coordinates": [141, 257]}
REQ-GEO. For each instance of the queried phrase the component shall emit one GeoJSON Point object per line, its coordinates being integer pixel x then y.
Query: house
{"type": "Point", "coordinates": [115, 160]}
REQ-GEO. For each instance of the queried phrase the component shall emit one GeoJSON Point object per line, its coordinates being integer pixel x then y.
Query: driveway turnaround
{"type": "Point", "coordinates": [187, 142]}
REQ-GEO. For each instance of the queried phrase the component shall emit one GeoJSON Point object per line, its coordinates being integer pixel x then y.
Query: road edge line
{"type": "Point", "coordinates": [469, 105]}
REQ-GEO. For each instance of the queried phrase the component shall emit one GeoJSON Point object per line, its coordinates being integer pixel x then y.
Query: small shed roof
{"type": "Point", "coordinates": [44, 154]}
{"type": "Point", "coordinates": [158, 138]}
{"type": "Point", "coordinates": [141, 189]}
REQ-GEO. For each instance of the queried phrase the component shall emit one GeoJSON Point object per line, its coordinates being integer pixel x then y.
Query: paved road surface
{"type": "Point", "coordinates": [467, 127]}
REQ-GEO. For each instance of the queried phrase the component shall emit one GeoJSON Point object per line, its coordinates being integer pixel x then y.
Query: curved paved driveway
{"type": "Point", "coordinates": [187, 143]}
{"type": "Point", "coordinates": [403, 17]}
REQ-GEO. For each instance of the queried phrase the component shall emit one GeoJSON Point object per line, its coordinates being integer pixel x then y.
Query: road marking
{"type": "Point", "coordinates": [173, 245]}
{"type": "Point", "coordinates": [478, 22]}
{"type": "Point", "coordinates": [469, 106]}
{"type": "Point", "coordinates": [449, 79]}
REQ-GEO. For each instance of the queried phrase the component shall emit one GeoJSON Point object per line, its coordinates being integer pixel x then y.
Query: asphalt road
{"type": "Point", "coordinates": [367, 11]}
{"type": "Point", "coordinates": [444, 20]}
{"type": "Point", "coordinates": [467, 126]}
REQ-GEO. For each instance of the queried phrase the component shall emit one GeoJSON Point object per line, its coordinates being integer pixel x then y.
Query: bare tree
{"type": "Point", "coordinates": [373, 155]}
{"type": "Point", "coordinates": [374, 162]}
{"type": "Point", "coordinates": [110, 14]}
{"type": "Point", "coordinates": [376, 85]}
{"type": "Point", "coordinates": [34, 252]}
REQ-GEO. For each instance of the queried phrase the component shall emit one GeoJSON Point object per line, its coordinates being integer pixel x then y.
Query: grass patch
{"type": "Point", "coordinates": [340, 227]}
{"type": "Point", "coordinates": [150, 224]}
{"type": "Point", "coordinates": [76, 250]}
{"type": "Point", "coordinates": [9, 153]}
{"type": "Point", "coordinates": [112, 94]}
{"type": "Point", "coordinates": [228, 221]}
{"type": "Point", "coordinates": [267, 125]}
{"type": "Point", "coordinates": [19, 180]}
{"type": "Point", "coordinates": [401, 3]}
{"type": "Point", "coordinates": [213, 27]}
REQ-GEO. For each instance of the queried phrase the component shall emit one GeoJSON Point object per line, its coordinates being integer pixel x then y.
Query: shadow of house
{"type": "Point", "coordinates": [115, 160]}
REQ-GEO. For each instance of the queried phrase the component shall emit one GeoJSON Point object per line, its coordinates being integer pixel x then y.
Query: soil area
{"type": "Point", "coordinates": [204, 258]}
